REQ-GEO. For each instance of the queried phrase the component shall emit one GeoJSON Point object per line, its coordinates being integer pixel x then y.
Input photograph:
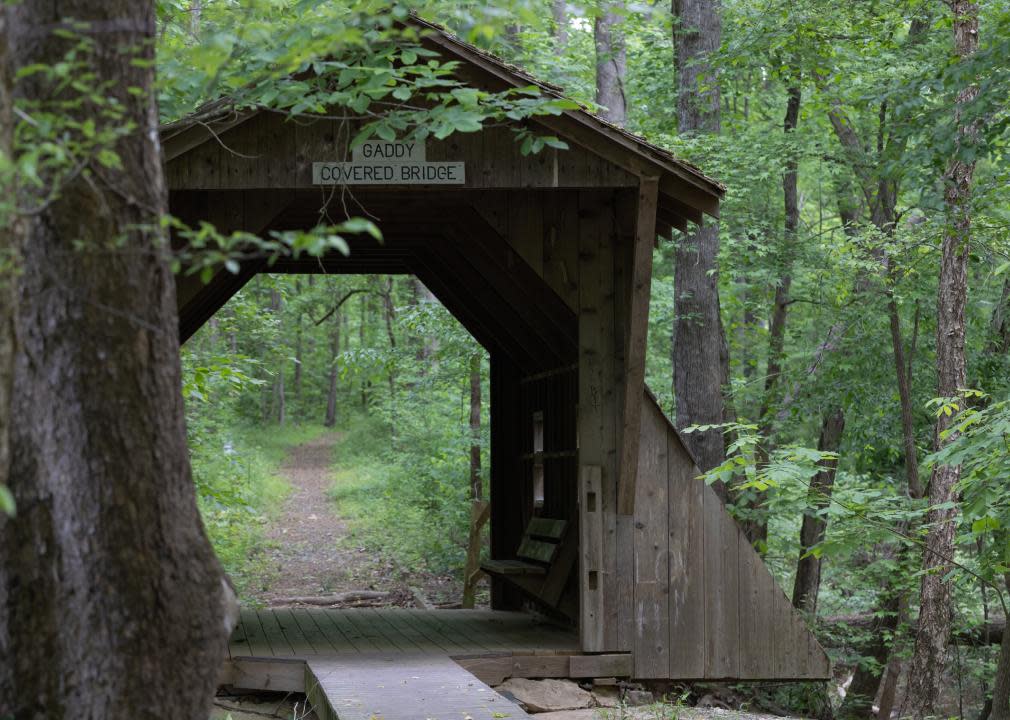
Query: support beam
{"type": "Point", "coordinates": [637, 332]}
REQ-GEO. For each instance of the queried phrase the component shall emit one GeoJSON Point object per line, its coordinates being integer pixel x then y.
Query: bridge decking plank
{"type": "Point", "coordinates": [402, 686]}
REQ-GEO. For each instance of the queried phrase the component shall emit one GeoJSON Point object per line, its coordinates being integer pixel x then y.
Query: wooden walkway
{"type": "Point", "coordinates": [399, 663]}
{"type": "Point", "coordinates": [312, 632]}
{"type": "Point", "coordinates": [401, 687]}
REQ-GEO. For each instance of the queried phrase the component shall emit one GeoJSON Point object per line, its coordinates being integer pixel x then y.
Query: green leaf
{"type": "Point", "coordinates": [7, 504]}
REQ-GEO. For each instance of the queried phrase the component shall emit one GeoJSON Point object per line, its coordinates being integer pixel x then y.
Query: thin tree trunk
{"type": "Point", "coordinates": [114, 604]}
{"type": "Point", "coordinates": [279, 404]}
{"type": "Point", "coordinates": [903, 374]}
{"type": "Point", "coordinates": [756, 527]}
{"type": "Point", "coordinates": [476, 484]}
{"type": "Point", "coordinates": [1001, 685]}
{"type": "Point", "coordinates": [858, 702]}
{"type": "Point", "coordinates": [1000, 325]}
{"type": "Point", "coordinates": [331, 394]}
{"type": "Point", "coordinates": [559, 11]}
{"type": "Point", "coordinates": [195, 12]}
{"type": "Point", "coordinates": [929, 659]}
{"type": "Point", "coordinates": [478, 515]}
{"type": "Point", "coordinates": [428, 349]}
{"type": "Point", "coordinates": [366, 307]}
{"type": "Point", "coordinates": [698, 340]}
{"type": "Point", "coordinates": [889, 684]}
{"type": "Point", "coordinates": [611, 65]}
{"type": "Point", "coordinates": [808, 568]}
{"type": "Point", "coordinates": [389, 314]}
{"type": "Point", "coordinates": [296, 380]}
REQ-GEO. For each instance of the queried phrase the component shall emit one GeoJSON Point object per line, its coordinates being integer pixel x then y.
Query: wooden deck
{"type": "Point", "coordinates": [393, 663]}
{"type": "Point", "coordinates": [310, 632]}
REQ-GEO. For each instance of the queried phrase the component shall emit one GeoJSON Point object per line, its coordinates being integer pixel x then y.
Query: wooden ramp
{"type": "Point", "coordinates": [401, 687]}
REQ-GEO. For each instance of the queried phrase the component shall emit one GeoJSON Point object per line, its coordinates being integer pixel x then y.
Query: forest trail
{"type": "Point", "coordinates": [306, 554]}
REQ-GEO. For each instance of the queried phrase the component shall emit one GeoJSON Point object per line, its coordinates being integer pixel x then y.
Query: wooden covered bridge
{"type": "Point", "coordinates": [597, 515]}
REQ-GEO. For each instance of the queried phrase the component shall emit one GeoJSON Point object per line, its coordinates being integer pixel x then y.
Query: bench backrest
{"type": "Point", "coordinates": [541, 540]}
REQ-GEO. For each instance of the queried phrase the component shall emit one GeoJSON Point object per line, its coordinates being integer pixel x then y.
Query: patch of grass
{"type": "Point", "coordinates": [410, 508]}
{"type": "Point", "coordinates": [239, 489]}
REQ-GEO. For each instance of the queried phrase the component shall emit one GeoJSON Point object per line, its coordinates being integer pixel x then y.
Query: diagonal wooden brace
{"type": "Point", "coordinates": [636, 336]}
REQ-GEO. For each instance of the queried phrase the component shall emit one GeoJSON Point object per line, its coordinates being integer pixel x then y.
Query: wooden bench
{"type": "Point", "coordinates": [537, 551]}
{"type": "Point", "coordinates": [543, 563]}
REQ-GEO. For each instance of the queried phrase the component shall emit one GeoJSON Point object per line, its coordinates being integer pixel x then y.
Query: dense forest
{"type": "Point", "coordinates": [835, 347]}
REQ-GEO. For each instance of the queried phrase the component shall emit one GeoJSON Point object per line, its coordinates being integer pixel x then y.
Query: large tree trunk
{"type": "Point", "coordinates": [698, 357]}
{"type": "Point", "coordinates": [611, 65]}
{"type": "Point", "coordinates": [808, 568]}
{"type": "Point", "coordinates": [114, 604]}
{"type": "Point", "coordinates": [929, 659]}
{"type": "Point", "coordinates": [10, 261]}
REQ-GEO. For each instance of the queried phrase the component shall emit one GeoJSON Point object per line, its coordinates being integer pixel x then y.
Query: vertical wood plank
{"type": "Point", "coordinates": [621, 242]}
{"type": "Point", "coordinates": [651, 581]}
{"type": "Point", "coordinates": [590, 562]}
{"type": "Point", "coordinates": [525, 234]}
{"type": "Point", "coordinates": [560, 246]}
{"type": "Point", "coordinates": [688, 606]}
{"type": "Point", "coordinates": [596, 285]}
{"type": "Point", "coordinates": [757, 624]}
{"type": "Point", "coordinates": [636, 332]}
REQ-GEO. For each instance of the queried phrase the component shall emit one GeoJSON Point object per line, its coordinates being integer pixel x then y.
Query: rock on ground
{"type": "Point", "coordinates": [546, 695]}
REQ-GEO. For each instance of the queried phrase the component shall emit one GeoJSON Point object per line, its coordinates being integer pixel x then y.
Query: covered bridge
{"type": "Point", "coordinates": [597, 515]}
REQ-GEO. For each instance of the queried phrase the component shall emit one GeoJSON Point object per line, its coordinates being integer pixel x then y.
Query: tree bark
{"type": "Point", "coordinates": [476, 483]}
{"type": "Point", "coordinates": [756, 528]}
{"type": "Point", "coordinates": [808, 568]}
{"type": "Point", "coordinates": [280, 399]}
{"type": "Point", "coordinates": [698, 340]}
{"type": "Point", "coordinates": [611, 65]}
{"type": "Point", "coordinates": [559, 11]}
{"type": "Point", "coordinates": [1001, 685]}
{"type": "Point", "coordinates": [10, 262]}
{"type": "Point", "coordinates": [929, 659]}
{"type": "Point", "coordinates": [478, 508]}
{"type": "Point", "coordinates": [858, 702]}
{"type": "Point", "coordinates": [331, 395]}
{"type": "Point", "coordinates": [1000, 324]}
{"type": "Point", "coordinates": [903, 373]}
{"type": "Point", "coordinates": [115, 606]}
{"type": "Point", "coordinates": [296, 378]}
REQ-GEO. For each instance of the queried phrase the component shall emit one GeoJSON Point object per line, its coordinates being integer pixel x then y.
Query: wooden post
{"type": "Point", "coordinates": [480, 511]}
{"type": "Point", "coordinates": [637, 332]}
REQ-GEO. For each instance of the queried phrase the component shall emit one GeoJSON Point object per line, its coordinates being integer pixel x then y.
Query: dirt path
{"type": "Point", "coordinates": [308, 551]}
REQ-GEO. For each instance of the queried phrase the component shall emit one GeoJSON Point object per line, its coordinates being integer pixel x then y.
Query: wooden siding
{"type": "Point", "coordinates": [705, 604]}
{"type": "Point", "coordinates": [267, 151]}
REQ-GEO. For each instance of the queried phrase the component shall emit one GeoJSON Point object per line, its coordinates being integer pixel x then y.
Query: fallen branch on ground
{"type": "Point", "coordinates": [337, 599]}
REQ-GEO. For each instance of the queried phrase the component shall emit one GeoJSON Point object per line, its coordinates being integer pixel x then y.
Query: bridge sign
{"type": "Point", "coordinates": [389, 163]}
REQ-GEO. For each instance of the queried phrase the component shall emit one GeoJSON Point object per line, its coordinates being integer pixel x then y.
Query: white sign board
{"type": "Point", "coordinates": [389, 163]}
